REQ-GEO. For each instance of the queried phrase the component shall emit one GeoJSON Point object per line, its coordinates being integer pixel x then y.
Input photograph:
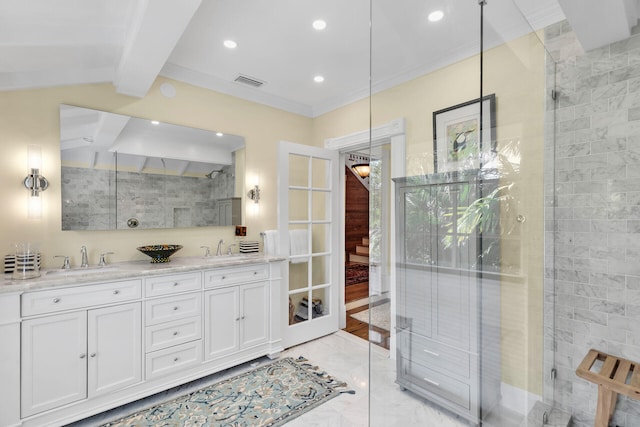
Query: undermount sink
{"type": "Point", "coordinates": [232, 257]}
{"type": "Point", "coordinates": [80, 271]}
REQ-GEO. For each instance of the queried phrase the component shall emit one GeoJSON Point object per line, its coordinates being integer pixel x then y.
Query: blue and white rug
{"type": "Point", "coordinates": [267, 396]}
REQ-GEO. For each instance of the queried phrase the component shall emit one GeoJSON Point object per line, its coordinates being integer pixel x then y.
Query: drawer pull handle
{"type": "Point", "coordinates": [432, 382]}
{"type": "Point", "coordinates": [433, 353]}
{"type": "Point", "coordinates": [82, 356]}
{"type": "Point", "coordinates": [242, 317]}
{"type": "Point", "coordinates": [116, 292]}
{"type": "Point", "coordinates": [56, 300]}
{"type": "Point", "coordinates": [237, 319]}
{"type": "Point", "coordinates": [175, 308]}
{"type": "Point", "coordinates": [255, 272]}
{"type": "Point", "coordinates": [175, 283]}
{"type": "Point", "coordinates": [92, 355]}
{"type": "Point", "coordinates": [223, 277]}
{"type": "Point", "coordinates": [175, 333]}
{"type": "Point", "coordinates": [175, 359]}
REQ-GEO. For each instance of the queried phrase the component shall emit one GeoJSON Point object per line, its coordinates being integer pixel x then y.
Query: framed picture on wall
{"type": "Point", "coordinates": [460, 140]}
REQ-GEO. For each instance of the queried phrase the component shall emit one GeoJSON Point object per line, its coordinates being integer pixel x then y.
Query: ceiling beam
{"type": "Point", "coordinates": [597, 23]}
{"type": "Point", "coordinates": [154, 31]}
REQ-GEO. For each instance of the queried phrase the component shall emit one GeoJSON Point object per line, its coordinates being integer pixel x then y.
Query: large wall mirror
{"type": "Point", "coordinates": [122, 172]}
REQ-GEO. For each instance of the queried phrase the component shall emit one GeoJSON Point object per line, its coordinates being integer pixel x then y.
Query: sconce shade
{"type": "Point", "coordinates": [362, 169]}
{"type": "Point", "coordinates": [34, 182]}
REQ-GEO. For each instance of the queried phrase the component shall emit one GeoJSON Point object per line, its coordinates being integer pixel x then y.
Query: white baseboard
{"type": "Point", "coordinates": [518, 400]}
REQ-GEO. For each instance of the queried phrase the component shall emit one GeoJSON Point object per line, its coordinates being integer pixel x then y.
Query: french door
{"type": "Point", "coordinates": [308, 236]}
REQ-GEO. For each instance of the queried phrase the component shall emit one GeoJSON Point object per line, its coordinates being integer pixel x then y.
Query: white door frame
{"type": "Point", "coordinates": [392, 133]}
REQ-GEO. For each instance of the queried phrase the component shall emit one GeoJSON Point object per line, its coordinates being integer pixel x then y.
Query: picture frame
{"type": "Point", "coordinates": [459, 142]}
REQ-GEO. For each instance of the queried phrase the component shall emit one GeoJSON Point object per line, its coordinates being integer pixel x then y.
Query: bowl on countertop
{"type": "Point", "coordinates": [159, 253]}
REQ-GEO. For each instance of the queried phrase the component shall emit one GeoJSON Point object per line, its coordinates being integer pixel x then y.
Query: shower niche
{"type": "Point", "coordinates": [448, 289]}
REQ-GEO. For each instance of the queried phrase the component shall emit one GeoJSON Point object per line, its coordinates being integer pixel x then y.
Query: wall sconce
{"type": "Point", "coordinates": [254, 194]}
{"type": "Point", "coordinates": [362, 169]}
{"type": "Point", "coordinates": [34, 182]}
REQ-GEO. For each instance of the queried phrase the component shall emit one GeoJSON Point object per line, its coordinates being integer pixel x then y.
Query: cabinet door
{"type": "Point", "coordinates": [54, 361]}
{"type": "Point", "coordinates": [114, 348]}
{"type": "Point", "coordinates": [452, 309]}
{"type": "Point", "coordinates": [222, 318]}
{"type": "Point", "coordinates": [254, 314]}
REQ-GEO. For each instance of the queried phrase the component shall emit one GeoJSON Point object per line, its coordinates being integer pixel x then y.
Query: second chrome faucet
{"type": "Point", "coordinates": [85, 259]}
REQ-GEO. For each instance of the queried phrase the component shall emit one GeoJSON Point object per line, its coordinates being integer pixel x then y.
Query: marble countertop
{"type": "Point", "coordinates": [50, 278]}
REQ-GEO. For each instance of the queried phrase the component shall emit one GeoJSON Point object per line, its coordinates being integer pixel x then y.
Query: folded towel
{"type": "Point", "coordinates": [271, 242]}
{"type": "Point", "coordinates": [298, 245]}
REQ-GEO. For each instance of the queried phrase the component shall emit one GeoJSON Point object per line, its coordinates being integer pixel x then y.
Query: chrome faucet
{"type": "Point", "coordinates": [219, 250]}
{"type": "Point", "coordinates": [85, 260]}
{"type": "Point", "coordinates": [65, 265]}
{"type": "Point", "coordinates": [207, 251]}
{"type": "Point", "coordinates": [103, 260]}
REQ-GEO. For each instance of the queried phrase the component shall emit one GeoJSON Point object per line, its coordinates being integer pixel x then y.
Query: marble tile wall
{"type": "Point", "coordinates": [592, 201]}
{"type": "Point", "coordinates": [157, 201]}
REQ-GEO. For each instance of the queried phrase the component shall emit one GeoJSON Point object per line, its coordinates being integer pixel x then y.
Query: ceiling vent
{"type": "Point", "coordinates": [251, 81]}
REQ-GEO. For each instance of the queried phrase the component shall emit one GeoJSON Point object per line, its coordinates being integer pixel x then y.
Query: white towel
{"type": "Point", "coordinates": [271, 242]}
{"type": "Point", "coordinates": [298, 245]}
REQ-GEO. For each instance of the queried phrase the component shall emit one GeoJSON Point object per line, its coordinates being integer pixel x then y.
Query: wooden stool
{"type": "Point", "coordinates": [611, 380]}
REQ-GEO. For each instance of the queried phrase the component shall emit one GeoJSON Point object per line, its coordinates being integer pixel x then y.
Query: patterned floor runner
{"type": "Point", "coordinates": [356, 273]}
{"type": "Point", "coordinates": [267, 396]}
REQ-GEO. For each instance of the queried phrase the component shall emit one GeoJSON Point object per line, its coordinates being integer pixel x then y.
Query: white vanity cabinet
{"type": "Point", "coordinates": [76, 346]}
{"type": "Point", "coordinates": [236, 309]}
{"type": "Point", "coordinates": [70, 355]}
{"type": "Point", "coordinates": [10, 359]}
{"type": "Point", "coordinates": [173, 323]}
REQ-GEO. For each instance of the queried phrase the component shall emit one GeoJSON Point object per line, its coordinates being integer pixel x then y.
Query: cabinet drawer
{"type": "Point", "coordinates": [173, 307]}
{"type": "Point", "coordinates": [164, 285]}
{"type": "Point", "coordinates": [177, 332]}
{"type": "Point", "coordinates": [53, 300]}
{"type": "Point", "coordinates": [163, 362]}
{"type": "Point", "coordinates": [452, 390]}
{"type": "Point", "coordinates": [432, 353]}
{"type": "Point", "coordinates": [228, 276]}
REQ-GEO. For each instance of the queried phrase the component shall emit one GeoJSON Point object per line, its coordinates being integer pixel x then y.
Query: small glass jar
{"type": "Point", "coordinates": [27, 261]}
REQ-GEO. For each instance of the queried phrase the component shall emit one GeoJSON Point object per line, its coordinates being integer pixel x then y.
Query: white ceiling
{"type": "Point", "coordinates": [130, 42]}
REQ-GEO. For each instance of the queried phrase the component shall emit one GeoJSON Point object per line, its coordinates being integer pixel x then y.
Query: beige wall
{"type": "Point", "coordinates": [28, 117]}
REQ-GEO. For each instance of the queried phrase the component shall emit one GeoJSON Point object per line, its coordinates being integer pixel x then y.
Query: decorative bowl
{"type": "Point", "coordinates": [159, 253]}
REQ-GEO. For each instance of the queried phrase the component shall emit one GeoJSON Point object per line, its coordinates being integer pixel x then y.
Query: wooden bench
{"type": "Point", "coordinates": [616, 376]}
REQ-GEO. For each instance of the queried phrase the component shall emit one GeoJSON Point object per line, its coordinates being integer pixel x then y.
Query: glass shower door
{"type": "Point", "coordinates": [468, 295]}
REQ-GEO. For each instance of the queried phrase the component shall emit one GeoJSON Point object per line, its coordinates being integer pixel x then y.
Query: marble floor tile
{"type": "Point", "coordinates": [347, 357]}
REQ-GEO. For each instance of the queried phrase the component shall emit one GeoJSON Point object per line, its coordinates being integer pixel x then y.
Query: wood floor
{"type": "Point", "coordinates": [361, 329]}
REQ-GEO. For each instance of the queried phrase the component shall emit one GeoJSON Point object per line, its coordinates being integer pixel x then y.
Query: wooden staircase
{"type": "Point", "coordinates": [361, 255]}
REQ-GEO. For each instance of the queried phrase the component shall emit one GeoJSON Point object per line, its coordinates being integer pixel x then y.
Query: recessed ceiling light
{"type": "Point", "coordinates": [155, 122]}
{"type": "Point", "coordinates": [219, 134]}
{"type": "Point", "coordinates": [230, 44]}
{"type": "Point", "coordinates": [319, 24]}
{"type": "Point", "coordinates": [318, 79]}
{"type": "Point", "coordinates": [436, 15]}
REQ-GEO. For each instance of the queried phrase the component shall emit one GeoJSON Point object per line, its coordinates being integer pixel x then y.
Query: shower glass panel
{"type": "Point", "coordinates": [467, 298]}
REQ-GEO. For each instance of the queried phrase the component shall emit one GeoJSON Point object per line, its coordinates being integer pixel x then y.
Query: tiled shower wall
{"type": "Point", "coordinates": [592, 177]}
{"type": "Point", "coordinates": [156, 201]}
